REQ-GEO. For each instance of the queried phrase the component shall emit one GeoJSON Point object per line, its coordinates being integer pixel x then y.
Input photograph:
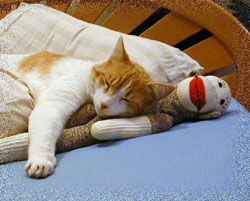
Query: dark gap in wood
{"type": "Point", "coordinates": [151, 20]}
{"type": "Point", "coordinates": [224, 71]}
{"type": "Point", "coordinates": [194, 39]}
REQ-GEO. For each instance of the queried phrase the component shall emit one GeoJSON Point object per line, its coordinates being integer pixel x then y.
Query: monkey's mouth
{"type": "Point", "coordinates": [197, 92]}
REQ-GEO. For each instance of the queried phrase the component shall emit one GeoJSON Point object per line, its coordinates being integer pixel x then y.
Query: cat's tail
{"type": "Point", "coordinates": [14, 148]}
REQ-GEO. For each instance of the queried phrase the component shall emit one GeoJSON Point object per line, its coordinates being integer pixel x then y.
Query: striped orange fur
{"type": "Point", "coordinates": [41, 61]}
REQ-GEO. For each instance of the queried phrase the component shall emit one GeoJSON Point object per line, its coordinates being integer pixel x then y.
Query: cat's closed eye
{"type": "Point", "coordinates": [124, 99]}
{"type": "Point", "coordinates": [107, 85]}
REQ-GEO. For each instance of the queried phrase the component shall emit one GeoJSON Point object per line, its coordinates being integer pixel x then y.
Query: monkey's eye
{"type": "Point", "coordinates": [222, 101]}
{"type": "Point", "coordinates": [220, 84]}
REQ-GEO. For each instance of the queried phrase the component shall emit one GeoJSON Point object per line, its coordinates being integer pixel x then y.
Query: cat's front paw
{"type": "Point", "coordinates": [40, 167]}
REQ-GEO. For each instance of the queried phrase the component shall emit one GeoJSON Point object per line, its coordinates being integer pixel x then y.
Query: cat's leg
{"type": "Point", "coordinates": [53, 108]}
{"type": "Point", "coordinates": [15, 148]}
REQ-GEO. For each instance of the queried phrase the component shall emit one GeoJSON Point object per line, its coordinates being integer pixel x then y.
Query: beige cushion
{"type": "Point", "coordinates": [16, 102]}
{"type": "Point", "coordinates": [34, 27]}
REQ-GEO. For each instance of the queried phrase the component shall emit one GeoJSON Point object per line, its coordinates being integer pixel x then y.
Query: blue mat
{"type": "Point", "coordinates": [207, 160]}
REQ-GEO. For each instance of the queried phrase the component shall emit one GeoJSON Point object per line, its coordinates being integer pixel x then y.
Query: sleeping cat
{"type": "Point", "coordinates": [61, 84]}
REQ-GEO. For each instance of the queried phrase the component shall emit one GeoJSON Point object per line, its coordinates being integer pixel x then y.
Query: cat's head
{"type": "Point", "coordinates": [123, 88]}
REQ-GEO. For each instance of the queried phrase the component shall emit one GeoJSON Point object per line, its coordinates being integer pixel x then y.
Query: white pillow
{"type": "Point", "coordinates": [34, 27]}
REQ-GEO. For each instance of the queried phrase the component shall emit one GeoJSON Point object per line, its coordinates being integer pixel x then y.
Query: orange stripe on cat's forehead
{"type": "Point", "coordinates": [42, 61]}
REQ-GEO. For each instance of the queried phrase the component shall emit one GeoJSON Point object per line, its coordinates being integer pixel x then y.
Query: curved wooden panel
{"type": "Point", "coordinates": [87, 10]}
{"type": "Point", "coordinates": [211, 54]}
{"type": "Point", "coordinates": [128, 15]}
{"type": "Point", "coordinates": [172, 29]}
{"type": "Point", "coordinates": [230, 79]}
{"type": "Point", "coordinates": [227, 28]}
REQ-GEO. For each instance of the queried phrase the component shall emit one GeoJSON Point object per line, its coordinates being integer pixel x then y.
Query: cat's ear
{"type": "Point", "coordinates": [161, 90]}
{"type": "Point", "coordinates": [119, 53]}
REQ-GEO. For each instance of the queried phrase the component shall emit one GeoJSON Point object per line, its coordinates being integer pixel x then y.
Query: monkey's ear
{"type": "Point", "coordinates": [194, 73]}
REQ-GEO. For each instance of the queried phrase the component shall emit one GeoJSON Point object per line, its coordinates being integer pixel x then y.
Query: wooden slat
{"type": "Point", "coordinates": [4, 13]}
{"type": "Point", "coordinates": [17, 1]}
{"type": "Point", "coordinates": [107, 12]}
{"type": "Point", "coordinates": [172, 29]}
{"type": "Point", "coordinates": [211, 54]}
{"type": "Point", "coordinates": [229, 78]}
{"type": "Point", "coordinates": [4, 10]}
{"type": "Point", "coordinates": [7, 6]}
{"type": "Point", "coordinates": [225, 71]}
{"type": "Point", "coordinates": [129, 14]}
{"type": "Point", "coordinates": [61, 5]}
{"type": "Point", "coordinates": [87, 10]}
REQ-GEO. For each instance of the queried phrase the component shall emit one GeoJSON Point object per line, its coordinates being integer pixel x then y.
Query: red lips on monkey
{"type": "Point", "coordinates": [197, 92]}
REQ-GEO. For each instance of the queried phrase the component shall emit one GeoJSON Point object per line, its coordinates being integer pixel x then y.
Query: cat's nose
{"type": "Point", "coordinates": [103, 106]}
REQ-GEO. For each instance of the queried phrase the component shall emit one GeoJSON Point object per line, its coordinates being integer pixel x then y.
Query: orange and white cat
{"type": "Point", "coordinates": [61, 84]}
